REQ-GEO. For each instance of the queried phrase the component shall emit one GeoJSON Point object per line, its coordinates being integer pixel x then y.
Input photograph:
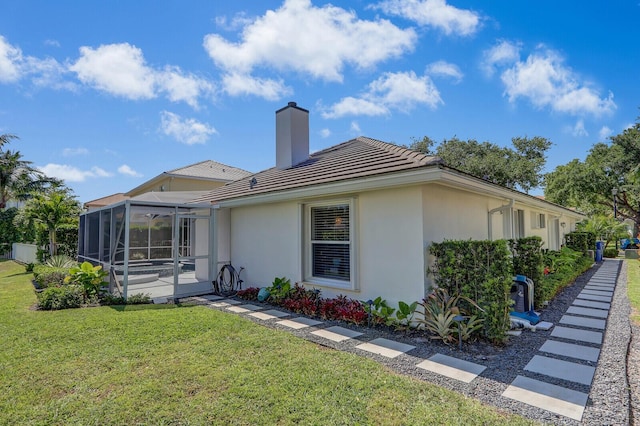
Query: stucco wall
{"type": "Point", "coordinates": [267, 241]}
{"type": "Point", "coordinates": [264, 240]}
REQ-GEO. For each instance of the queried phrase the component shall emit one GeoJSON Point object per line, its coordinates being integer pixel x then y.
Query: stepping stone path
{"type": "Point", "coordinates": [572, 351]}
{"type": "Point", "coordinates": [569, 356]}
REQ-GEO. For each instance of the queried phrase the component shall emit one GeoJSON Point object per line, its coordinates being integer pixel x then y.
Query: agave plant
{"type": "Point", "coordinates": [61, 261]}
{"type": "Point", "coordinates": [441, 313]}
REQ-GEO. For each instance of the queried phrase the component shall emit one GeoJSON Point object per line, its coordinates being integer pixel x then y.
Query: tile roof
{"type": "Point", "coordinates": [105, 201]}
{"type": "Point", "coordinates": [210, 169]}
{"type": "Point", "coordinates": [357, 158]}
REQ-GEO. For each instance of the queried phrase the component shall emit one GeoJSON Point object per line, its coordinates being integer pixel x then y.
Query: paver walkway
{"type": "Point", "coordinates": [571, 353]}
{"type": "Point", "coordinates": [568, 358]}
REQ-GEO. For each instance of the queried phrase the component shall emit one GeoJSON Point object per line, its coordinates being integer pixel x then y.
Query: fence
{"type": "Point", "coordinates": [25, 253]}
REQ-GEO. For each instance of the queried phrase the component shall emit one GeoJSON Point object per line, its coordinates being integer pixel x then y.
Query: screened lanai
{"type": "Point", "coordinates": [160, 249]}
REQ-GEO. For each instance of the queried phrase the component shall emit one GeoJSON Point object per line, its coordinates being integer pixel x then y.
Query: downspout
{"type": "Point", "coordinates": [498, 209]}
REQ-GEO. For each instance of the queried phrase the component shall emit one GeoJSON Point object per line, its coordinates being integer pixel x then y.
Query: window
{"type": "Point", "coordinates": [537, 220]}
{"type": "Point", "coordinates": [518, 224]}
{"type": "Point", "coordinates": [329, 246]}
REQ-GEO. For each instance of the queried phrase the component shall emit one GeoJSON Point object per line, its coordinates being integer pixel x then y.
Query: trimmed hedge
{"type": "Point", "coordinates": [481, 271]}
{"type": "Point", "coordinates": [581, 241]}
{"type": "Point", "coordinates": [528, 260]}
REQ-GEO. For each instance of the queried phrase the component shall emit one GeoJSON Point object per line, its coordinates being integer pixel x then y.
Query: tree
{"type": "Point", "coordinates": [605, 228]}
{"type": "Point", "coordinates": [9, 233]}
{"type": "Point", "coordinates": [50, 212]}
{"type": "Point", "coordinates": [517, 168]}
{"type": "Point", "coordinates": [18, 179]}
{"type": "Point", "coordinates": [589, 185]}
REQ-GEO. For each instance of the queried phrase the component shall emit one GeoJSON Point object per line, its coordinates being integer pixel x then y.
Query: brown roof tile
{"type": "Point", "coordinates": [360, 157]}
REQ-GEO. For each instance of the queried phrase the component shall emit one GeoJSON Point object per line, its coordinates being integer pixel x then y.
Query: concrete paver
{"type": "Point", "coordinates": [386, 347]}
{"type": "Point", "coordinates": [577, 334]}
{"type": "Point", "coordinates": [571, 350]}
{"type": "Point", "coordinates": [336, 333]}
{"type": "Point", "coordinates": [556, 399]}
{"type": "Point", "coordinates": [583, 322]}
{"type": "Point", "coordinates": [452, 367]}
{"type": "Point", "coordinates": [588, 312]}
{"type": "Point", "coordinates": [592, 304]}
{"type": "Point", "coordinates": [565, 370]}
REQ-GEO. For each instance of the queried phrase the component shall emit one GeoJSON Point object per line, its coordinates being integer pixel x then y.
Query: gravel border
{"type": "Point", "coordinates": [609, 400]}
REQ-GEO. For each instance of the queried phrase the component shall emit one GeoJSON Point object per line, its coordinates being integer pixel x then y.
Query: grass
{"type": "Point", "coordinates": [633, 288]}
{"type": "Point", "coordinates": [168, 364]}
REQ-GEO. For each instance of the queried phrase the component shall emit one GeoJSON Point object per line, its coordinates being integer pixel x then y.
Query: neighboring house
{"type": "Point", "coordinates": [358, 218]}
{"type": "Point", "coordinates": [104, 201]}
{"type": "Point", "coordinates": [202, 176]}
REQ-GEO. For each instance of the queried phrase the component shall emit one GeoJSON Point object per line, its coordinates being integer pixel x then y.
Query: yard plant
{"type": "Point", "coordinates": [174, 364]}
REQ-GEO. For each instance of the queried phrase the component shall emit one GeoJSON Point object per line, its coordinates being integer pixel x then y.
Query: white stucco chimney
{"type": "Point", "coordinates": [292, 136]}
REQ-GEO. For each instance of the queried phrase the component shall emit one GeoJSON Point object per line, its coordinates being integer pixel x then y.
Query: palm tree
{"type": "Point", "coordinates": [50, 211]}
{"type": "Point", "coordinates": [18, 179]}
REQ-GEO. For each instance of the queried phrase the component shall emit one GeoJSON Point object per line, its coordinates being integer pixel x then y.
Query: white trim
{"type": "Point", "coordinates": [306, 257]}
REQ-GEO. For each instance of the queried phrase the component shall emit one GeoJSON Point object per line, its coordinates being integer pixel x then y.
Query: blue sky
{"type": "Point", "coordinates": [107, 95]}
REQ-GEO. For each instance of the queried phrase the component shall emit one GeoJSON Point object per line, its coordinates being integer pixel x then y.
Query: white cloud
{"type": "Point", "coordinates": [545, 81]}
{"type": "Point", "coordinates": [325, 133]}
{"type": "Point", "coordinates": [392, 91]}
{"type": "Point", "coordinates": [121, 70]}
{"type": "Point", "coordinates": [355, 127]}
{"type": "Point", "coordinates": [434, 13]}
{"type": "Point", "coordinates": [241, 84]}
{"type": "Point", "coordinates": [52, 43]}
{"type": "Point", "coordinates": [10, 59]}
{"type": "Point", "coordinates": [503, 53]}
{"type": "Point", "coordinates": [604, 133]}
{"type": "Point", "coordinates": [579, 129]}
{"type": "Point", "coordinates": [445, 69]}
{"type": "Point", "coordinates": [72, 174]}
{"type": "Point", "coordinates": [187, 131]}
{"type": "Point", "coordinates": [118, 69]}
{"type": "Point", "coordinates": [237, 22]}
{"type": "Point", "coordinates": [126, 170]}
{"type": "Point", "coordinates": [316, 41]}
{"type": "Point", "coordinates": [69, 152]}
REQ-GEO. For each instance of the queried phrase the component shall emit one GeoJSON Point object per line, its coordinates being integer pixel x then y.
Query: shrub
{"type": "Point", "coordinates": [441, 312]}
{"type": "Point", "coordinates": [89, 277]}
{"type": "Point", "coordinates": [344, 309]}
{"type": "Point", "coordinates": [49, 276]}
{"type": "Point", "coordinates": [580, 241]}
{"type": "Point", "coordinates": [65, 297]}
{"type": "Point", "coordinates": [109, 299]}
{"type": "Point", "coordinates": [480, 271]}
{"type": "Point", "coordinates": [527, 257]}
{"type": "Point", "coordinates": [138, 299]}
{"type": "Point", "coordinates": [379, 311]}
{"type": "Point", "coordinates": [279, 289]}
{"type": "Point", "coordinates": [250, 293]}
{"type": "Point", "coordinates": [610, 253]}
{"type": "Point", "coordinates": [29, 267]}
{"type": "Point", "coordinates": [563, 268]}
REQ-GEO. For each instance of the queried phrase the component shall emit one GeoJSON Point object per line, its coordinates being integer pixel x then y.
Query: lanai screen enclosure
{"type": "Point", "coordinates": [154, 248]}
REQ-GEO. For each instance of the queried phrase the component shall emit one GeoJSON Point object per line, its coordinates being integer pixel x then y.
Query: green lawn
{"type": "Point", "coordinates": [174, 365]}
{"type": "Point", "coordinates": [633, 287]}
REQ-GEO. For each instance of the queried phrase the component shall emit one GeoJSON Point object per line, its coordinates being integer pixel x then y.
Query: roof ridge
{"type": "Point", "coordinates": [410, 154]}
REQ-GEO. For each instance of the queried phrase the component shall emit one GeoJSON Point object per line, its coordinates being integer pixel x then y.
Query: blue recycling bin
{"type": "Point", "coordinates": [599, 250]}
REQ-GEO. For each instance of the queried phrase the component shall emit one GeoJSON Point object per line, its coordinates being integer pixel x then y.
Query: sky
{"type": "Point", "coordinates": [107, 95]}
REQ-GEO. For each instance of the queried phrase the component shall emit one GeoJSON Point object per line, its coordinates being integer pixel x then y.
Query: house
{"type": "Point", "coordinates": [354, 219]}
{"type": "Point", "coordinates": [205, 175]}
{"type": "Point", "coordinates": [357, 218]}
{"type": "Point", "coordinates": [105, 201]}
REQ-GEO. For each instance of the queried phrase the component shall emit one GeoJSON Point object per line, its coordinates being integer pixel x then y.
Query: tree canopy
{"type": "Point", "coordinates": [519, 167]}
{"type": "Point", "coordinates": [609, 168]}
{"type": "Point", "coordinates": [18, 178]}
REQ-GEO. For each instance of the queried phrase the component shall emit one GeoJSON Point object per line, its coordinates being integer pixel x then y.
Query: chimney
{"type": "Point", "coordinates": [292, 136]}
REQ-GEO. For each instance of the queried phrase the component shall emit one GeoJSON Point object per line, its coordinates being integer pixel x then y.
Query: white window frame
{"type": "Point", "coordinates": [518, 224]}
{"type": "Point", "coordinates": [538, 220]}
{"type": "Point", "coordinates": [309, 278]}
